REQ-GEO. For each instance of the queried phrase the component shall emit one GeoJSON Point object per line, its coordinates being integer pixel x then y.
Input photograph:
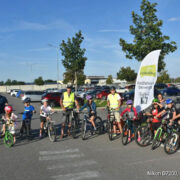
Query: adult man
{"type": "Point", "coordinates": [67, 102]}
{"type": "Point", "coordinates": [114, 103]}
{"type": "Point", "coordinates": [3, 103]}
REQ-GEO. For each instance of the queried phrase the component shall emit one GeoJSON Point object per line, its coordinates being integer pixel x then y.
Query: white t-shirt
{"type": "Point", "coordinates": [45, 110]}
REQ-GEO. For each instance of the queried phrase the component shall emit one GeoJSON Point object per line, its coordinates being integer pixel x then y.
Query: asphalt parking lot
{"type": "Point", "coordinates": [74, 159]}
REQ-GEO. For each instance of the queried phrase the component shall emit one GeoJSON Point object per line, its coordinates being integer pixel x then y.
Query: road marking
{"type": "Point", "coordinates": [63, 156]}
{"type": "Point", "coordinates": [76, 164]}
{"type": "Point", "coordinates": [152, 160]}
{"type": "Point", "coordinates": [78, 176]}
{"type": "Point", "coordinates": [58, 152]}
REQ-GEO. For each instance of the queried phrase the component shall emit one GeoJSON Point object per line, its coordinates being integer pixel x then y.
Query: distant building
{"type": "Point", "coordinates": [94, 79]}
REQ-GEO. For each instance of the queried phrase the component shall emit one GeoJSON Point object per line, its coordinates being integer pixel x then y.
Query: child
{"type": "Point", "coordinates": [91, 107]}
{"type": "Point", "coordinates": [132, 115]}
{"type": "Point", "coordinates": [10, 120]}
{"type": "Point", "coordinates": [27, 116]}
{"type": "Point", "coordinates": [45, 110]}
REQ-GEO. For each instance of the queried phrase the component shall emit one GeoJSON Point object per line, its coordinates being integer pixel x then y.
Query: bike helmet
{"type": "Point", "coordinates": [129, 102]}
{"type": "Point", "coordinates": [45, 100]}
{"type": "Point", "coordinates": [169, 101]}
{"type": "Point", "coordinates": [27, 100]}
{"type": "Point", "coordinates": [69, 86]}
{"type": "Point", "coordinates": [88, 97]}
{"type": "Point", "coordinates": [112, 88]}
{"type": "Point", "coordinates": [8, 109]}
{"type": "Point", "coordinates": [155, 100]}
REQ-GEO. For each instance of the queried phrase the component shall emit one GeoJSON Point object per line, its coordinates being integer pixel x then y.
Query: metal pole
{"type": "Point", "coordinates": [57, 68]}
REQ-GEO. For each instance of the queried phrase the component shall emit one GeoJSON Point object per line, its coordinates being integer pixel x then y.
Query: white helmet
{"type": "Point", "coordinates": [45, 100]}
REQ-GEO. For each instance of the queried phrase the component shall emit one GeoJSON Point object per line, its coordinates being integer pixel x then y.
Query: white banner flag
{"type": "Point", "coordinates": [146, 79]}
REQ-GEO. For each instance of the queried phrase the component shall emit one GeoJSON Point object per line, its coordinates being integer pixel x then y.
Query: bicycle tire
{"type": "Point", "coordinates": [8, 139]}
{"type": "Point", "coordinates": [145, 134]}
{"type": "Point", "coordinates": [110, 130]}
{"type": "Point", "coordinates": [74, 129]}
{"type": "Point", "coordinates": [83, 131]}
{"type": "Point", "coordinates": [125, 135]}
{"type": "Point", "coordinates": [98, 122]}
{"type": "Point", "coordinates": [52, 133]}
{"type": "Point", "coordinates": [156, 141]}
{"type": "Point", "coordinates": [169, 143]}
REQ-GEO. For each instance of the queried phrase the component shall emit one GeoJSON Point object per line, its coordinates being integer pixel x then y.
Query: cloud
{"type": "Point", "coordinates": [36, 26]}
{"type": "Point", "coordinates": [112, 30]}
{"type": "Point", "coordinates": [174, 19]}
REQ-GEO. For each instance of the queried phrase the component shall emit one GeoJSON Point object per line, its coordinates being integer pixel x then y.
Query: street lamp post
{"type": "Point", "coordinates": [57, 49]}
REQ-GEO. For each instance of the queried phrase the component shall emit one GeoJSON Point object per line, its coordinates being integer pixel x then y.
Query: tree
{"type": "Point", "coordinates": [147, 35]}
{"type": "Point", "coordinates": [126, 73]}
{"type": "Point", "coordinates": [8, 82]}
{"type": "Point", "coordinates": [74, 59]}
{"type": "Point", "coordinates": [109, 80]}
{"type": "Point", "coordinates": [49, 81]}
{"type": "Point", "coordinates": [1, 83]}
{"type": "Point", "coordinates": [163, 77]}
{"type": "Point", "coordinates": [39, 81]}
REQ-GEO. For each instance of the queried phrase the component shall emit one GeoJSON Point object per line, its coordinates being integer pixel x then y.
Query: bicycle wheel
{"type": "Point", "coordinates": [125, 135]}
{"type": "Point", "coordinates": [74, 128]}
{"type": "Point", "coordinates": [172, 143]}
{"type": "Point", "coordinates": [156, 141]}
{"type": "Point", "coordinates": [52, 133]}
{"type": "Point", "coordinates": [83, 131]}
{"type": "Point", "coordinates": [143, 136]}
{"type": "Point", "coordinates": [110, 130]}
{"type": "Point", "coordinates": [8, 139]}
{"type": "Point", "coordinates": [98, 123]}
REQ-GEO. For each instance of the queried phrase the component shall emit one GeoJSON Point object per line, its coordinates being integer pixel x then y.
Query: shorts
{"type": "Point", "coordinates": [42, 119]}
{"type": "Point", "coordinates": [155, 126]}
{"type": "Point", "coordinates": [12, 129]}
{"type": "Point", "coordinates": [116, 116]}
{"type": "Point", "coordinates": [92, 114]}
{"type": "Point", "coordinates": [67, 118]}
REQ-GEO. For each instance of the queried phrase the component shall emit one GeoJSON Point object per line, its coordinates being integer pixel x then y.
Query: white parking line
{"type": "Point", "coordinates": [58, 152]}
{"type": "Point", "coordinates": [78, 176]}
{"type": "Point", "coordinates": [76, 164]}
{"type": "Point", "coordinates": [63, 156]}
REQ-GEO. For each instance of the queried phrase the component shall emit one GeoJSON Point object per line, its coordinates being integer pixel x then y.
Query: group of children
{"type": "Point", "coordinates": [159, 107]}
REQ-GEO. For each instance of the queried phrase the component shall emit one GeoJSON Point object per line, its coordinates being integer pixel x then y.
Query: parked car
{"type": "Point", "coordinates": [130, 94]}
{"type": "Point", "coordinates": [102, 94]}
{"type": "Point", "coordinates": [33, 95]}
{"type": "Point", "coordinates": [9, 91]}
{"type": "Point", "coordinates": [53, 98]}
{"type": "Point", "coordinates": [122, 90]}
{"type": "Point", "coordinates": [3, 102]}
{"type": "Point", "coordinates": [14, 92]}
{"type": "Point", "coordinates": [160, 86]}
{"type": "Point", "coordinates": [170, 91]}
{"type": "Point", "coordinates": [132, 86]}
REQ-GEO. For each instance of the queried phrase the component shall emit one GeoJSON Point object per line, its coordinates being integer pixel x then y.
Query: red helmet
{"type": "Point", "coordinates": [8, 109]}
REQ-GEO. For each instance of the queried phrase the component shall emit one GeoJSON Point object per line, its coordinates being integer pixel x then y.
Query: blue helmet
{"type": "Point", "coordinates": [169, 101]}
{"type": "Point", "coordinates": [27, 100]}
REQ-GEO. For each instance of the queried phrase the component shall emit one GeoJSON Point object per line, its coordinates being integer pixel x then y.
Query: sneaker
{"type": "Point", "coordinates": [139, 139]}
{"type": "Point", "coordinates": [129, 139]}
{"type": "Point", "coordinates": [113, 135]}
{"type": "Point", "coordinates": [40, 136]}
{"type": "Point", "coordinates": [95, 129]}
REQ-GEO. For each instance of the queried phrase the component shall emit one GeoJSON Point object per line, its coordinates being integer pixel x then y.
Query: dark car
{"type": "Point", "coordinates": [170, 91]}
{"type": "Point", "coordinates": [3, 102]}
{"type": "Point", "coordinates": [130, 94]}
{"type": "Point", "coordinates": [160, 86]}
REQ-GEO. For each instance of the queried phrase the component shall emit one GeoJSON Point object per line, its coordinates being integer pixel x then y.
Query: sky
{"type": "Point", "coordinates": [27, 28]}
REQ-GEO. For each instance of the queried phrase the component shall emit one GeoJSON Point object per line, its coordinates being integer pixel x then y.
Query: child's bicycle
{"type": "Point", "coordinates": [87, 126]}
{"type": "Point", "coordinates": [8, 137]}
{"type": "Point", "coordinates": [49, 128]}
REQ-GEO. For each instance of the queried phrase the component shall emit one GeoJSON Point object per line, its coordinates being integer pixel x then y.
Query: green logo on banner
{"type": "Point", "coordinates": [148, 71]}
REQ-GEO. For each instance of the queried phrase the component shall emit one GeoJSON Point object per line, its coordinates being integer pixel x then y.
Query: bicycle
{"type": "Point", "coordinates": [49, 128]}
{"type": "Point", "coordinates": [8, 137]}
{"type": "Point", "coordinates": [172, 142]}
{"type": "Point", "coordinates": [145, 132]}
{"type": "Point", "coordinates": [86, 123]}
{"type": "Point", "coordinates": [111, 122]}
{"type": "Point", "coordinates": [161, 134]}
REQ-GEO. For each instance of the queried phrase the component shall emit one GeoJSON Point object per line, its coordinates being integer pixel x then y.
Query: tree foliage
{"type": "Point", "coordinates": [147, 35]}
{"type": "Point", "coordinates": [13, 82]}
{"type": "Point", "coordinates": [109, 80]}
{"type": "Point", "coordinates": [126, 73]}
{"type": "Point", "coordinates": [39, 81]}
{"type": "Point", "coordinates": [74, 59]}
{"type": "Point", "coordinates": [163, 77]}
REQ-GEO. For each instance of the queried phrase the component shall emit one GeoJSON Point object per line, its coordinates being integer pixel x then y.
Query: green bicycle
{"type": "Point", "coordinates": [8, 137]}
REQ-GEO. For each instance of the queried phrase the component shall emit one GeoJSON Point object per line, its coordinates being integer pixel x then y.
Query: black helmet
{"type": "Point", "coordinates": [69, 86]}
{"type": "Point", "coordinates": [112, 88]}
{"type": "Point", "coordinates": [27, 100]}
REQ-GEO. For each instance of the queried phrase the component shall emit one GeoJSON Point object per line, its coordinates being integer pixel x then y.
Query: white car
{"type": "Point", "coordinates": [33, 95]}
{"type": "Point", "coordinates": [122, 90]}
{"type": "Point", "coordinates": [14, 92]}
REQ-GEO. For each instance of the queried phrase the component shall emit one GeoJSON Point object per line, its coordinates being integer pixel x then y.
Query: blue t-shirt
{"type": "Point", "coordinates": [28, 112]}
